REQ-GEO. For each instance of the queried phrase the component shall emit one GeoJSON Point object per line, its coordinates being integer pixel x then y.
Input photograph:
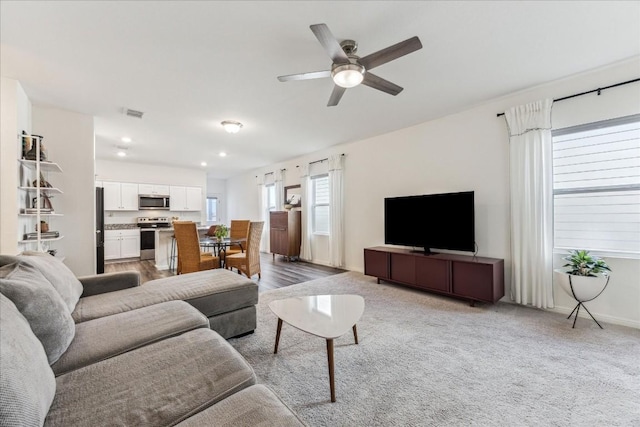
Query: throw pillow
{"type": "Point", "coordinates": [27, 384]}
{"type": "Point", "coordinates": [58, 274]}
{"type": "Point", "coordinates": [39, 302]}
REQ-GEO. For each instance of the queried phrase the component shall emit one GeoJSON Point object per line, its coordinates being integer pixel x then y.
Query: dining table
{"type": "Point", "coordinates": [218, 246]}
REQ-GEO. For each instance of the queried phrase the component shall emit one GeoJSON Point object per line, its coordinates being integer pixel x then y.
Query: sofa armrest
{"type": "Point", "coordinates": [109, 282]}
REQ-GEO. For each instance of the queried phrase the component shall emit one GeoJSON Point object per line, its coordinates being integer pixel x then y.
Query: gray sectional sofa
{"type": "Point", "coordinates": [104, 350]}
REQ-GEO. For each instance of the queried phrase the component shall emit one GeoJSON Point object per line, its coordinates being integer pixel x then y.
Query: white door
{"type": "Point", "coordinates": [145, 189]}
{"type": "Point", "coordinates": [162, 190]}
{"type": "Point", "coordinates": [111, 244]}
{"type": "Point", "coordinates": [111, 196]}
{"type": "Point", "coordinates": [194, 198]}
{"type": "Point", "coordinates": [177, 198]}
{"type": "Point", "coordinates": [130, 245]}
{"type": "Point", "coordinates": [129, 195]}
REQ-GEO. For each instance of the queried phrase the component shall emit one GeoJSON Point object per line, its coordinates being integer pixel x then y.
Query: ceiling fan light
{"type": "Point", "coordinates": [348, 75]}
{"type": "Point", "coordinates": [231, 126]}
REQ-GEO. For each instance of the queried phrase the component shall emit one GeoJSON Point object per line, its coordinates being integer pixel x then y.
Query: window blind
{"type": "Point", "coordinates": [596, 179]}
{"type": "Point", "coordinates": [271, 196]}
{"type": "Point", "coordinates": [321, 204]}
{"type": "Point", "coordinates": [212, 209]}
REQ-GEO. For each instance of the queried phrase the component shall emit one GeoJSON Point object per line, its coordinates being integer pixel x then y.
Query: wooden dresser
{"type": "Point", "coordinates": [285, 233]}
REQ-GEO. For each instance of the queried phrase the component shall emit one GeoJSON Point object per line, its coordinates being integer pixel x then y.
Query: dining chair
{"type": "Point", "coordinates": [239, 230]}
{"type": "Point", "coordinates": [211, 232]}
{"type": "Point", "coordinates": [248, 262]}
{"type": "Point", "coordinates": [190, 258]}
{"type": "Point", "coordinates": [209, 235]}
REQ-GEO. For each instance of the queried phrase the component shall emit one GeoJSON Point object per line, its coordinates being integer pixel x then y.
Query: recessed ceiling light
{"type": "Point", "coordinates": [203, 164]}
{"type": "Point", "coordinates": [121, 154]}
{"type": "Point", "coordinates": [222, 154]}
{"type": "Point", "coordinates": [126, 139]}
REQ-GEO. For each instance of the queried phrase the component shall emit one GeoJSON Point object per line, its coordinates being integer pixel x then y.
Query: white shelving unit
{"type": "Point", "coordinates": [47, 190]}
{"type": "Point", "coordinates": [37, 168]}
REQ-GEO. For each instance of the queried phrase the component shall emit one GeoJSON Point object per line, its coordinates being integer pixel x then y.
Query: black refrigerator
{"type": "Point", "coordinates": [99, 230]}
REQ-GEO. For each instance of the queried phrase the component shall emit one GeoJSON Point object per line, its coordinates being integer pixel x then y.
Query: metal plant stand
{"type": "Point", "coordinates": [576, 309]}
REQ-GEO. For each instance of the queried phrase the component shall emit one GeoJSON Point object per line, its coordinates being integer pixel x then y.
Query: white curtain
{"type": "Point", "coordinates": [262, 206]}
{"type": "Point", "coordinates": [531, 185]}
{"type": "Point", "coordinates": [305, 195]}
{"type": "Point", "coordinates": [336, 216]}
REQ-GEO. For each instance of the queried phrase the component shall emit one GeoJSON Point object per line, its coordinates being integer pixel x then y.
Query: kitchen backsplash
{"type": "Point", "coordinates": [131, 217]}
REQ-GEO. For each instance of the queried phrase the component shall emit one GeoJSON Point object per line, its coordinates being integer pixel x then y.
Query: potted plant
{"type": "Point", "coordinates": [221, 232]}
{"type": "Point", "coordinates": [586, 277]}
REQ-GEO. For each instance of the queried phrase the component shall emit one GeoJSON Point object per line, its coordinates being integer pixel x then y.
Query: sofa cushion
{"type": "Point", "coordinates": [254, 406]}
{"type": "Point", "coordinates": [58, 274]}
{"type": "Point", "coordinates": [27, 385]}
{"type": "Point", "coordinates": [42, 306]}
{"type": "Point", "coordinates": [102, 338]}
{"type": "Point", "coordinates": [160, 384]}
{"type": "Point", "coordinates": [212, 292]}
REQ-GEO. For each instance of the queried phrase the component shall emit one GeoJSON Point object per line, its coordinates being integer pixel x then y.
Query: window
{"type": "Point", "coordinates": [271, 197]}
{"type": "Point", "coordinates": [212, 209]}
{"type": "Point", "coordinates": [596, 186]}
{"type": "Point", "coordinates": [320, 208]}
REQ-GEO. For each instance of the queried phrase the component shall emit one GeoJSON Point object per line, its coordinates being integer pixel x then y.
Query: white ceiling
{"type": "Point", "coordinates": [190, 65]}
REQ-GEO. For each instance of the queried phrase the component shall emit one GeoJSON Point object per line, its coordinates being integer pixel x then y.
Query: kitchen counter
{"type": "Point", "coordinates": [200, 228]}
{"type": "Point", "coordinates": [120, 226]}
{"type": "Point", "coordinates": [164, 241]}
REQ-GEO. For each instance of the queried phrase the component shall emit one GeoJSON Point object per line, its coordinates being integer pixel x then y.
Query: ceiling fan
{"type": "Point", "coordinates": [349, 70]}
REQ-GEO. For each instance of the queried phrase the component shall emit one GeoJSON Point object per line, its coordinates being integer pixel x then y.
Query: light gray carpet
{"type": "Point", "coordinates": [426, 360]}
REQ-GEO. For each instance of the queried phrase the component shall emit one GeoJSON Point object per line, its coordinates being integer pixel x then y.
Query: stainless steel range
{"type": "Point", "coordinates": [148, 236]}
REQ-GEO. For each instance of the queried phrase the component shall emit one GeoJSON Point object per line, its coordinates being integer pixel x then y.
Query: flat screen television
{"type": "Point", "coordinates": [442, 221]}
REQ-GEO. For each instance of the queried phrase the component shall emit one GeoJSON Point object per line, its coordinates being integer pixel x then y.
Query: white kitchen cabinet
{"type": "Point", "coordinates": [111, 244]}
{"type": "Point", "coordinates": [120, 196]}
{"type": "Point", "coordinates": [121, 244]}
{"type": "Point", "coordinates": [185, 198]}
{"type": "Point", "coordinates": [161, 190]}
{"type": "Point", "coordinates": [194, 198]}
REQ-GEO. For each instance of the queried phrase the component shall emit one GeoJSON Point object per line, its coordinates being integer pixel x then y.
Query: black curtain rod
{"type": "Point", "coordinates": [600, 89]}
{"type": "Point", "coordinates": [271, 173]}
{"type": "Point", "coordinates": [321, 160]}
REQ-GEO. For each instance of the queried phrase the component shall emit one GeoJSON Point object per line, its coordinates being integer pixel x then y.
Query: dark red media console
{"type": "Point", "coordinates": [469, 277]}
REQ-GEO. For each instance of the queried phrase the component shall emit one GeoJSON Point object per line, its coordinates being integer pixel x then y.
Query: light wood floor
{"type": "Point", "coordinates": [276, 273]}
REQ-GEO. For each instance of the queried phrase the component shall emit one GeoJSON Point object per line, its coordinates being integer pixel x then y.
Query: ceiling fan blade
{"type": "Point", "coordinates": [305, 76]}
{"type": "Point", "coordinates": [389, 54]}
{"type": "Point", "coordinates": [379, 83]}
{"type": "Point", "coordinates": [337, 93]}
{"type": "Point", "coordinates": [330, 44]}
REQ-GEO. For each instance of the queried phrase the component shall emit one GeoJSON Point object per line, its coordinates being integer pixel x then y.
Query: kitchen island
{"type": "Point", "coordinates": [164, 241]}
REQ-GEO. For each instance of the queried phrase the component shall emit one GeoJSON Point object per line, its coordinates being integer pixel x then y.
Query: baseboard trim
{"type": "Point", "coordinates": [601, 317]}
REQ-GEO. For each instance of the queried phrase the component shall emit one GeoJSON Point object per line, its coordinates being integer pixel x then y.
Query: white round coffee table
{"type": "Point", "coordinates": [326, 316]}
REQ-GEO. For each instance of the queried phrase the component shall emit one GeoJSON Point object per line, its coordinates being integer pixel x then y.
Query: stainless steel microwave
{"type": "Point", "coordinates": [153, 201]}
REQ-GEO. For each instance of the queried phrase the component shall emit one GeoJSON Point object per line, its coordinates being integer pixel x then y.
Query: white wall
{"type": "Point", "coordinates": [122, 171]}
{"type": "Point", "coordinates": [15, 116]}
{"type": "Point", "coordinates": [464, 151]}
{"type": "Point", "coordinates": [69, 141]}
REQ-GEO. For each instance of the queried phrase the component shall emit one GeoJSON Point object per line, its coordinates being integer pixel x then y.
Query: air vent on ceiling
{"type": "Point", "coordinates": [134, 113]}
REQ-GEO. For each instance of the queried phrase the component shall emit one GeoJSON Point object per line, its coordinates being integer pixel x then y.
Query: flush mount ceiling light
{"type": "Point", "coordinates": [121, 154]}
{"type": "Point", "coordinates": [231, 126]}
{"type": "Point", "coordinates": [347, 75]}
{"type": "Point", "coordinates": [126, 139]}
{"type": "Point", "coordinates": [203, 164]}
{"type": "Point", "coordinates": [222, 154]}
